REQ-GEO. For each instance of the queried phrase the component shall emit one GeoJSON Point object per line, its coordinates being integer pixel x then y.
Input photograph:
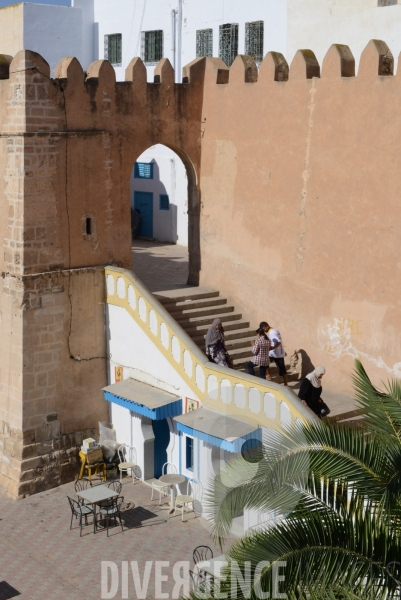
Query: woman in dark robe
{"type": "Point", "coordinates": [215, 347]}
{"type": "Point", "coordinates": [311, 391]}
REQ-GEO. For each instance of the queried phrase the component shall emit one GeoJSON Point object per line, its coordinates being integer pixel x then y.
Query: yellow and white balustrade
{"type": "Point", "coordinates": [252, 399]}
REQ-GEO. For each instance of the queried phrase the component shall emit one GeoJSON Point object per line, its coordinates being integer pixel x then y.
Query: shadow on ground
{"type": "Point", "coordinates": [160, 266]}
{"type": "Point", "coordinates": [7, 591]}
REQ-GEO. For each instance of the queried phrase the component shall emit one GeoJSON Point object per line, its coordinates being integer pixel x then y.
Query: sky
{"type": "Point", "coordinates": [58, 2]}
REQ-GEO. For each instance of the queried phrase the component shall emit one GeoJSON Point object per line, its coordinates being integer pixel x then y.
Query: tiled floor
{"type": "Point", "coordinates": [41, 559]}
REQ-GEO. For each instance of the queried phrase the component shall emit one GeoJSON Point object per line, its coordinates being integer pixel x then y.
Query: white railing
{"type": "Point", "coordinates": [250, 398]}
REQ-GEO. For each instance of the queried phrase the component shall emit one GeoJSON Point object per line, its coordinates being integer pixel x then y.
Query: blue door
{"type": "Point", "coordinates": [143, 202]}
{"type": "Point", "coordinates": [162, 440]}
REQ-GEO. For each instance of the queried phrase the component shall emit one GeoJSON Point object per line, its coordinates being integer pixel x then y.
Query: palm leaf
{"type": "Point", "coordinates": [332, 452]}
{"type": "Point", "coordinates": [355, 547]}
{"type": "Point", "coordinates": [383, 409]}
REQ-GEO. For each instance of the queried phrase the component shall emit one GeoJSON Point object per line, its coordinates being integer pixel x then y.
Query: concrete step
{"type": "Point", "coordinates": [243, 353]}
{"type": "Point", "coordinates": [239, 336]}
{"type": "Point", "coordinates": [243, 342]}
{"type": "Point", "coordinates": [240, 333]}
{"type": "Point", "coordinates": [213, 312]}
{"type": "Point", "coordinates": [207, 320]}
{"type": "Point", "coordinates": [291, 374]}
{"type": "Point", "coordinates": [193, 304]}
{"type": "Point", "coordinates": [182, 295]}
{"type": "Point", "coordinates": [201, 328]}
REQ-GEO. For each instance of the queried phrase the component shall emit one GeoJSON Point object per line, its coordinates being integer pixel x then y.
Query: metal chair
{"type": "Point", "coordinates": [112, 511]}
{"type": "Point", "coordinates": [202, 553]}
{"type": "Point", "coordinates": [159, 486]}
{"type": "Point", "coordinates": [79, 510]}
{"type": "Point", "coordinates": [197, 583]}
{"type": "Point", "coordinates": [82, 484]}
{"type": "Point", "coordinates": [182, 500]}
{"type": "Point", "coordinates": [128, 461]}
{"type": "Point", "coordinates": [115, 485]}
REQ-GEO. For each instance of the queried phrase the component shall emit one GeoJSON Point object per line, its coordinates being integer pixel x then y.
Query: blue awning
{"type": "Point", "coordinates": [143, 399]}
{"type": "Point", "coordinates": [219, 429]}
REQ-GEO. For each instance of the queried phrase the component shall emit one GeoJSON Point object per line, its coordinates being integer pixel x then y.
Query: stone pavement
{"type": "Point", "coordinates": [160, 266]}
{"type": "Point", "coordinates": [41, 559]}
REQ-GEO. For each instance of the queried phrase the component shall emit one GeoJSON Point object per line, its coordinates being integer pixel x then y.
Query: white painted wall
{"type": "Point", "coordinates": [90, 38]}
{"type": "Point", "coordinates": [316, 24]}
{"type": "Point", "coordinates": [131, 348]}
{"type": "Point", "coordinates": [130, 18]}
{"type": "Point", "coordinates": [128, 346]}
{"type": "Point", "coordinates": [53, 31]}
{"type": "Point", "coordinates": [169, 177]}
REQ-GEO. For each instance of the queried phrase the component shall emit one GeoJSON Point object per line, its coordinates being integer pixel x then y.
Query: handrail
{"type": "Point", "coordinates": [250, 398]}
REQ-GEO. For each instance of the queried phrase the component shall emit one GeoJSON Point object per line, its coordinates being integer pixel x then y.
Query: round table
{"type": "Point", "coordinates": [172, 480]}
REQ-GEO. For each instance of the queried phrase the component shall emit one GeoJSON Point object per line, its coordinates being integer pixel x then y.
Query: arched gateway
{"type": "Point", "coordinates": [68, 149]}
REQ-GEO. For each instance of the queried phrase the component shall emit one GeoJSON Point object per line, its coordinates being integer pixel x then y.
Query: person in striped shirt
{"type": "Point", "coordinates": [260, 349]}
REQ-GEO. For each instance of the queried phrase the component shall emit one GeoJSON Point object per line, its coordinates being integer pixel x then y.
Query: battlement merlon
{"type": "Point", "coordinates": [25, 80]}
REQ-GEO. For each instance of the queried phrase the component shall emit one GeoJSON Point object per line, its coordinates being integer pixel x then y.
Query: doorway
{"type": "Point", "coordinates": [161, 432]}
{"type": "Point", "coordinates": [143, 203]}
{"type": "Point", "coordinates": [169, 175]}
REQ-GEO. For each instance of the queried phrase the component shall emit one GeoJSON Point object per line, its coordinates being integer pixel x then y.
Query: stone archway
{"type": "Point", "coordinates": [70, 143]}
{"type": "Point", "coordinates": [193, 211]}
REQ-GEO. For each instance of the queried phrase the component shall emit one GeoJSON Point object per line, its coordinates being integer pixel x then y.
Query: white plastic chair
{"type": "Point", "coordinates": [127, 456]}
{"type": "Point", "coordinates": [159, 486]}
{"type": "Point", "coordinates": [193, 496]}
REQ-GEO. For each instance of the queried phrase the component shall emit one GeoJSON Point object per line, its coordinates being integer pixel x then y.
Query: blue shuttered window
{"type": "Point", "coordinates": [164, 202]}
{"type": "Point", "coordinates": [143, 170]}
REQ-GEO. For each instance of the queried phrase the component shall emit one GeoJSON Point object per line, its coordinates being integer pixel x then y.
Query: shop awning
{"type": "Point", "coordinates": [143, 399]}
{"type": "Point", "coordinates": [219, 429]}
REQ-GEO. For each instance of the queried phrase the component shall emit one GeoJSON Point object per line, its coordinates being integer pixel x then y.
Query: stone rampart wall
{"type": "Point", "coordinates": [293, 183]}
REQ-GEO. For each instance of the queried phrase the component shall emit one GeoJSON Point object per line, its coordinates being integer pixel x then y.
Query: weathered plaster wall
{"type": "Point", "coordinates": [300, 205]}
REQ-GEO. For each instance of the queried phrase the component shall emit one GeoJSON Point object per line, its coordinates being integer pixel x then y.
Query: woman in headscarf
{"type": "Point", "coordinates": [311, 390]}
{"type": "Point", "coordinates": [215, 347]}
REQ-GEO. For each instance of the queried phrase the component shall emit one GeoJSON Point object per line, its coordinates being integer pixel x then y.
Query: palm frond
{"type": "Point", "coordinates": [289, 467]}
{"type": "Point", "coordinates": [325, 550]}
{"type": "Point", "coordinates": [383, 409]}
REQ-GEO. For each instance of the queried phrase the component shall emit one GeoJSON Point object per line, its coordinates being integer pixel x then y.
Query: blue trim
{"type": "Point", "coordinates": [143, 170]}
{"type": "Point", "coordinates": [198, 443]}
{"type": "Point", "coordinates": [232, 446]}
{"type": "Point", "coordinates": [179, 453]}
{"type": "Point", "coordinates": [164, 202]}
{"type": "Point", "coordinates": [189, 453]}
{"type": "Point", "coordinates": [156, 414]}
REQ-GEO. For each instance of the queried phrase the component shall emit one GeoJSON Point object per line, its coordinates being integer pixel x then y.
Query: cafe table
{"type": "Point", "coordinates": [96, 494]}
{"type": "Point", "coordinates": [172, 479]}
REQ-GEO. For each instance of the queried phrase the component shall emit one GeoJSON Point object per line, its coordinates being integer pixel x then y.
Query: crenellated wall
{"type": "Point", "coordinates": [300, 222]}
{"type": "Point", "coordinates": [293, 183]}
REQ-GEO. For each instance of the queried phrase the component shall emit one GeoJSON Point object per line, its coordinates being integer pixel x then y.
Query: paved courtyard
{"type": "Point", "coordinates": [160, 266]}
{"type": "Point", "coordinates": [41, 559]}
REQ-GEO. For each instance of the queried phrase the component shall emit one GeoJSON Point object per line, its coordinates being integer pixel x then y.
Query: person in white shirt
{"type": "Point", "coordinates": [277, 351]}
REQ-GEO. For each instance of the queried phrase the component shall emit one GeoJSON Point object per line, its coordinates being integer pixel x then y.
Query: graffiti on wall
{"type": "Point", "coordinates": [343, 337]}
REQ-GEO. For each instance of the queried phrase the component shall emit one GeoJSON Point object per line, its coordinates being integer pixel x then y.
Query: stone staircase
{"type": "Point", "coordinates": [196, 308]}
